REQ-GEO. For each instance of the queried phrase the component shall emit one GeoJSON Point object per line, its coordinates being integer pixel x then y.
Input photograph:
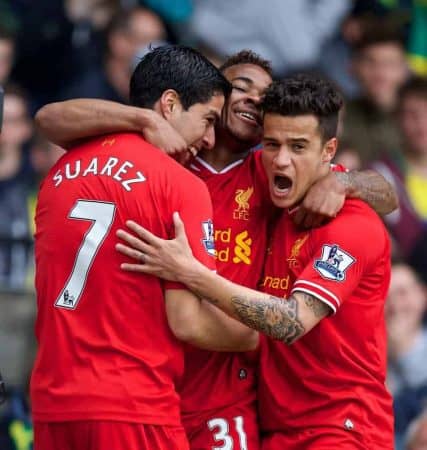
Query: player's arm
{"type": "Point", "coordinates": [283, 320]}
{"type": "Point", "coordinates": [198, 323]}
{"type": "Point", "coordinates": [67, 123]}
{"type": "Point", "coordinates": [326, 197]}
{"type": "Point", "coordinates": [371, 187]}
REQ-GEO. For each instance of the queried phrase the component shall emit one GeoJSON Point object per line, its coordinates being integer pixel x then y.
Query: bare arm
{"type": "Point", "coordinates": [280, 319]}
{"type": "Point", "coordinates": [372, 188]}
{"type": "Point", "coordinates": [326, 197]}
{"type": "Point", "coordinates": [67, 123]}
{"type": "Point", "coordinates": [200, 324]}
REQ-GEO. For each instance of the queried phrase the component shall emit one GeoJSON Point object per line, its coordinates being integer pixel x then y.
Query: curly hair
{"type": "Point", "coordinates": [306, 94]}
{"type": "Point", "coordinates": [247, 57]}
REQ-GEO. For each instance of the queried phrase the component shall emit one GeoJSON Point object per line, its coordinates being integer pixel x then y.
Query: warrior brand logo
{"type": "Point", "coordinates": [109, 142]}
{"type": "Point", "coordinates": [242, 199]}
{"type": "Point", "coordinates": [334, 263]}
{"type": "Point", "coordinates": [208, 239]}
{"type": "Point", "coordinates": [296, 248]}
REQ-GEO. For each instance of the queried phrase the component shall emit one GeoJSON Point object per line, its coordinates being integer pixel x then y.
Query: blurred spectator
{"type": "Point", "coordinates": [416, 437]}
{"type": "Point", "coordinates": [89, 19]}
{"type": "Point", "coordinates": [407, 344]}
{"type": "Point", "coordinates": [16, 430]}
{"type": "Point", "coordinates": [127, 33]}
{"type": "Point", "coordinates": [407, 170]}
{"type": "Point", "coordinates": [7, 53]}
{"type": "Point", "coordinates": [379, 65]}
{"type": "Point", "coordinates": [289, 33]}
{"type": "Point", "coordinates": [15, 174]}
{"type": "Point", "coordinates": [43, 49]}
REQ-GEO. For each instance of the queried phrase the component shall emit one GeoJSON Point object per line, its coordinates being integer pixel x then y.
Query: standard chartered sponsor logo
{"type": "Point", "coordinates": [240, 252]}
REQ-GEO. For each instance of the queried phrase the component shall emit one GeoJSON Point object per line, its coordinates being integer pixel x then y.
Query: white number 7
{"type": "Point", "coordinates": [102, 215]}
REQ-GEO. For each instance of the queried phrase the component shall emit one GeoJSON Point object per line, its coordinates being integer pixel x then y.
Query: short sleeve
{"type": "Point", "coordinates": [340, 257]}
{"type": "Point", "coordinates": [195, 209]}
{"type": "Point", "coordinates": [339, 168]}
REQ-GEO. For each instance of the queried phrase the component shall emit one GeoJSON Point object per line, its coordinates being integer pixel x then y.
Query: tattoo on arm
{"type": "Point", "coordinates": [319, 308]}
{"type": "Point", "coordinates": [371, 187]}
{"type": "Point", "coordinates": [275, 317]}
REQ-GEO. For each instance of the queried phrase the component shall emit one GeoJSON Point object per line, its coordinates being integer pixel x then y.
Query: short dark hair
{"type": "Point", "coordinates": [415, 86]}
{"type": "Point", "coordinates": [247, 57]}
{"type": "Point", "coordinates": [177, 67]}
{"type": "Point", "coordinates": [306, 94]}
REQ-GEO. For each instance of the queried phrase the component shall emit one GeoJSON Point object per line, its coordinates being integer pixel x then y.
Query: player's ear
{"type": "Point", "coordinates": [170, 103]}
{"type": "Point", "coordinates": [329, 150]}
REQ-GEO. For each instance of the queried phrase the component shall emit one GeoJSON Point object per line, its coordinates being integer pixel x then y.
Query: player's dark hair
{"type": "Point", "coordinates": [414, 87]}
{"type": "Point", "coordinates": [247, 57]}
{"type": "Point", "coordinates": [180, 68]}
{"type": "Point", "coordinates": [306, 94]}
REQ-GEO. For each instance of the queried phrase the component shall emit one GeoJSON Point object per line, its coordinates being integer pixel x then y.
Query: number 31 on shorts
{"type": "Point", "coordinates": [221, 429]}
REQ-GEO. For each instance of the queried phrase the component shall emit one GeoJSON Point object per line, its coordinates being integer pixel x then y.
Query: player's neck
{"type": "Point", "coordinates": [227, 150]}
{"type": "Point", "coordinates": [219, 158]}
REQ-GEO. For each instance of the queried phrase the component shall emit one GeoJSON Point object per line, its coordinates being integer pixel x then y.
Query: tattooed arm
{"type": "Point", "coordinates": [201, 324]}
{"type": "Point", "coordinates": [282, 320]}
{"type": "Point", "coordinates": [285, 320]}
{"type": "Point", "coordinates": [326, 197]}
{"type": "Point", "coordinates": [371, 187]}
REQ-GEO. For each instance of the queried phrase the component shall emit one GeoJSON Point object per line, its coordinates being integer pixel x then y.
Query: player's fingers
{"type": "Point", "coordinates": [141, 268]}
{"type": "Point", "coordinates": [299, 216]}
{"type": "Point", "coordinates": [179, 227]}
{"type": "Point", "coordinates": [133, 241]}
{"type": "Point", "coordinates": [143, 233]}
{"type": "Point", "coordinates": [318, 220]}
{"type": "Point", "coordinates": [132, 253]}
{"type": "Point", "coordinates": [308, 220]}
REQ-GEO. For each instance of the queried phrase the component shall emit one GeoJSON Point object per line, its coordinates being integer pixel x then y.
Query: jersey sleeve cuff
{"type": "Point", "coordinates": [319, 292]}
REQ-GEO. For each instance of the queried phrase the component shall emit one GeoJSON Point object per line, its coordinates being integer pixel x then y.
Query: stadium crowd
{"type": "Point", "coordinates": [375, 51]}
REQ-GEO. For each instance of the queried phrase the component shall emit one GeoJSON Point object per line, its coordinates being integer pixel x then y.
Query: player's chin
{"type": "Point", "coordinates": [250, 136]}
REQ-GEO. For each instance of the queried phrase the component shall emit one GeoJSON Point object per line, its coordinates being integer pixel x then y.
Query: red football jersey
{"type": "Point", "coordinates": [334, 375]}
{"type": "Point", "coordinates": [241, 202]}
{"type": "Point", "coordinates": [105, 348]}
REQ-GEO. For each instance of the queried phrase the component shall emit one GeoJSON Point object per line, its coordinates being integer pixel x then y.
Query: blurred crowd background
{"type": "Point", "coordinates": [375, 50]}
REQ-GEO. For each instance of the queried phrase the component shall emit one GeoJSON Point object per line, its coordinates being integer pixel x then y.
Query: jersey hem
{"type": "Point", "coordinates": [85, 416]}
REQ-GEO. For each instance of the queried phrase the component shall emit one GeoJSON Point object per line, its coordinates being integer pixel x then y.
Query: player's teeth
{"type": "Point", "coordinates": [248, 115]}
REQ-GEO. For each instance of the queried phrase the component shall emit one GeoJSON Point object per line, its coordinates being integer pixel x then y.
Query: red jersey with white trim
{"type": "Point", "coordinates": [105, 348]}
{"type": "Point", "coordinates": [334, 375]}
{"type": "Point", "coordinates": [242, 205]}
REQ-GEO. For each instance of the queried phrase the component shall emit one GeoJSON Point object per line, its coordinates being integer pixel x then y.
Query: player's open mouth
{"type": "Point", "coordinates": [250, 117]}
{"type": "Point", "coordinates": [282, 184]}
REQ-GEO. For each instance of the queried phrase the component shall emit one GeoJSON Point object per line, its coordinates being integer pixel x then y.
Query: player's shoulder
{"type": "Point", "coordinates": [357, 220]}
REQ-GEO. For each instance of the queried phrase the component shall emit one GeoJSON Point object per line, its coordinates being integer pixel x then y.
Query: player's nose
{"type": "Point", "coordinates": [209, 138]}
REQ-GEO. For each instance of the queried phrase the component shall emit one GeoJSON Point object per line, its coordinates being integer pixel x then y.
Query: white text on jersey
{"type": "Point", "coordinates": [75, 169]}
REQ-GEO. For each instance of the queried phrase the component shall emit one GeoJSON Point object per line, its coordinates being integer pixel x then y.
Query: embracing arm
{"type": "Point", "coordinates": [326, 197]}
{"type": "Point", "coordinates": [286, 320]}
{"type": "Point", "coordinates": [200, 324]}
{"type": "Point", "coordinates": [65, 123]}
{"type": "Point", "coordinates": [372, 188]}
